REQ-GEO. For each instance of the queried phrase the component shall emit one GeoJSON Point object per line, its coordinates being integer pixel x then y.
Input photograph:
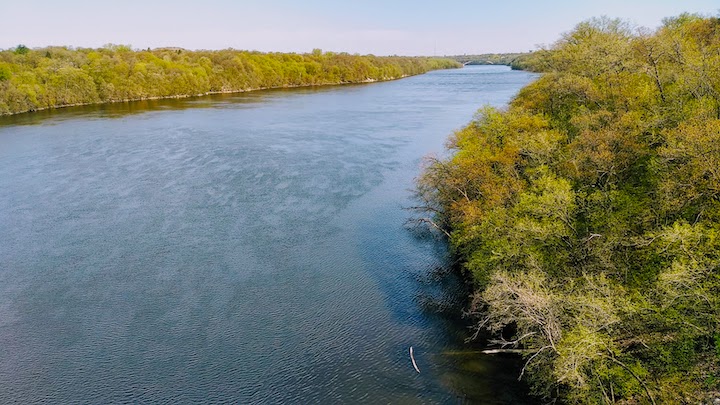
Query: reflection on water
{"type": "Point", "coordinates": [244, 248]}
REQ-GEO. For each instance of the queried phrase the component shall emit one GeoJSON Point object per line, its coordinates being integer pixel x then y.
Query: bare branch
{"type": "Point", "coordinates": [522, 372]}
{"type": "Point", "coordinates": [431, 223]}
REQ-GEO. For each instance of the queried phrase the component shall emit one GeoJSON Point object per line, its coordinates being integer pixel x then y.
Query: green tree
{"type": "Point", "coordinates": [587, 214]}
{"type": "Point", "coordinates": [21, 50]}
{"type": "Point", "coordinates": [116, 72]}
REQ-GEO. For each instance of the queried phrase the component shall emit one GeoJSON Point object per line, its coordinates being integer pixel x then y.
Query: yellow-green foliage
{"type": "Point", "coordinates": [588, 214]}
{"type": "Point", "coordinates": [59, 76]}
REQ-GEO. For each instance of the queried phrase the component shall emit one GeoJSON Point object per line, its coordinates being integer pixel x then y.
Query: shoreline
{"type": "Point", "coordinates": [209, 93]}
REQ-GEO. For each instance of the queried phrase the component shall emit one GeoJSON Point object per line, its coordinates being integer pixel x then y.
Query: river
{"type": "Point", "coordinates": [246, 248]}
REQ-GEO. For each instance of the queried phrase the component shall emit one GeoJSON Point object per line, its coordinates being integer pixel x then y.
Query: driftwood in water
{"type": "Point", "coordinates": [412, 357]}
{"type": "Point", "coordinates": [514, 351]}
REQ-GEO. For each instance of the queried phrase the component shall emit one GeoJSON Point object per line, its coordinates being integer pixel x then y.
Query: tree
{"type": "Point", "coordinates": [116, 72]}
{"type": "Point", "coordinates": [21, 50]}
{"type": "Point", "coordinates": [587, 214]}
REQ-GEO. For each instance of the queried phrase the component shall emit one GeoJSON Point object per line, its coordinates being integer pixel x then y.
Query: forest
{"type": "Point", "coordinates": [33, 79]}
{"type": "Point", "coordinates": [587, 215]}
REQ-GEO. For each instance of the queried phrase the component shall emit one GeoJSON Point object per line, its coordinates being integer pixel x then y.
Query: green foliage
{"type": "Point", "coordinates": [588, 213]}
{"type": "Point", "coordinates": [21, 50]}
{"type": "Point", "coordinates": [532, 61]}
{"type": "Point", "coordinates": [58, 76]}
{"type": "Point", "coordinates": [5, 72]}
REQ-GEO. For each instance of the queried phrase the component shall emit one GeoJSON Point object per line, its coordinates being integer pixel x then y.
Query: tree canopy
{"type": "Point", "coordinates": [587, 214]}
{"type": "Point", "coordinates": [32, 79]}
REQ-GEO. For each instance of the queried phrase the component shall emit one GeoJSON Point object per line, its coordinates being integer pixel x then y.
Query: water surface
{"type": "Point", "coordinates": [245, 248]}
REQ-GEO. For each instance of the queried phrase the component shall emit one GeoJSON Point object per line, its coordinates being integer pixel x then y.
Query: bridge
{"type": "Point", "coordinates": [488, 58]}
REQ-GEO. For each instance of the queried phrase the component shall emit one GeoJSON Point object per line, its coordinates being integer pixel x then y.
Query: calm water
{"type": "Point", "coordinates": [247, 248]}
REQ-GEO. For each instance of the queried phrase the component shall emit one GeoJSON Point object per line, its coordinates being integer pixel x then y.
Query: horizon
{"type": "Point", "coordinates": [172, 48]}
{"type": "Point", "coordinates": [401, 28]}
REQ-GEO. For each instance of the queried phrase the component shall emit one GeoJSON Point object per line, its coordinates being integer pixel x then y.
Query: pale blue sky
{"type": "Point", "coordinates": [381, 27]}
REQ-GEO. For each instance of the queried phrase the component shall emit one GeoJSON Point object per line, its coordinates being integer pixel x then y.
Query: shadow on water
{"type": "Point", "coordinates": [128, 108]}
{"type": "Point", "coordinates": [237, 248]}
{"type": "Point", "coordinates": [443, 296]}
{"type": "Point", "coordinates": [122, 109]}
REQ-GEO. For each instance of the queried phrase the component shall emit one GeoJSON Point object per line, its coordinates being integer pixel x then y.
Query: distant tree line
{"type": "Point", "coordinates": [32, 79]}
{"type": "Point", "coordinates": [527, 61]}
{"type": "Point", "coordinates": [515, 60]}
{"type": "Point", "coordinates": [587, 215]}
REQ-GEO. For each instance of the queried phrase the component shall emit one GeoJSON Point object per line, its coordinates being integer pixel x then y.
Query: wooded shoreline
{"type": "Point", "coordinates": [56, 77]}
{"type": "Point", "coordinates": [209, 93]}
{"type": "Point", "coordinates": [587, 215]}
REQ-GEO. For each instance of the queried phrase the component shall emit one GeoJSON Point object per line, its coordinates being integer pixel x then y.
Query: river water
{"type": "Point", "coordinates": [245, 248]}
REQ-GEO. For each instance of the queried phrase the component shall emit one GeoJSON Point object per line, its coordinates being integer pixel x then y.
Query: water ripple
{"type": "Point", "coordinates": [252, 251]}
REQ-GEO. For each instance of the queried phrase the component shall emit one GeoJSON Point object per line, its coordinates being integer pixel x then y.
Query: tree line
{"type": "Point", "coordinates": [491, 58]}
{"type": "Point", "coordinates": [587, 214]}
{"type": "Point", "coordinates": [32, 79]}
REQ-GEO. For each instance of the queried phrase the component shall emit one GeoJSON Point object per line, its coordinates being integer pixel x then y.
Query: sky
{"type": "Point", "coordinates": [380, 27]}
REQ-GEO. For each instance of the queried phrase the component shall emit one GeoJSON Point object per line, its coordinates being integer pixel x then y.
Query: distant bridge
{"type": "Point", "coordinates": [481, 62]}
{"type": "Point", "coordinates": [487, 58]}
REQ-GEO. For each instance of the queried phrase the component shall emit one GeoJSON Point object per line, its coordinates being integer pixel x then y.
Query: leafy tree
{"type": "Point", "coordinates": [587, 214]}
{"type": "Point", "coordinates": [116, 72]}
{"type": "Point", "coordinates": [21, 50]}
{"type": "Point", "coordinates": [5, 72]}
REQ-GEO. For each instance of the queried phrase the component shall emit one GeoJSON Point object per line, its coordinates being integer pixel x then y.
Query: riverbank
{"type": "Point", "coordinates": [586, 214]}
{"type": "Point", "coordinates": [56, 77]}
{"type": "Point", "coordinates": [208, 93]}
